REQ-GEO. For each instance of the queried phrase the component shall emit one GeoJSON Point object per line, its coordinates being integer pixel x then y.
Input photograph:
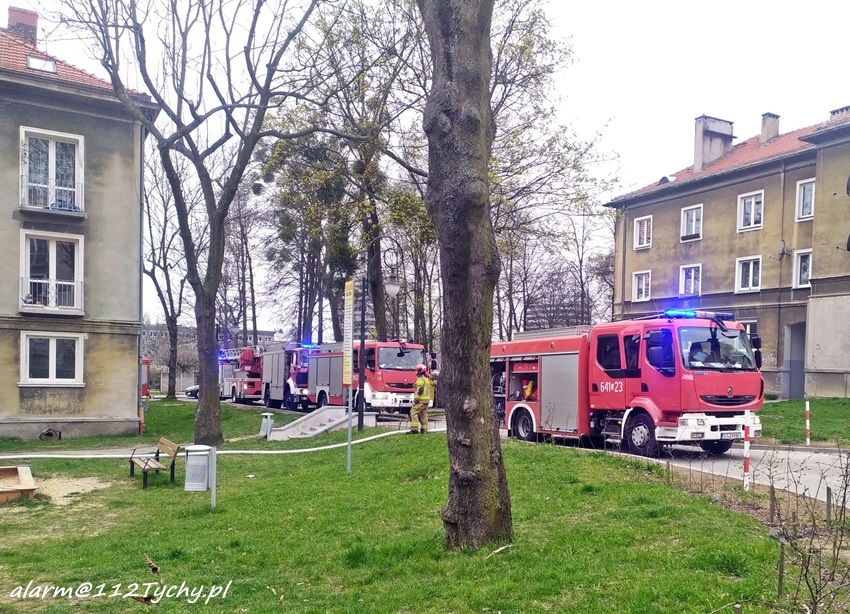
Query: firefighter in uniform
{"type": "Point", "coordinates": [421, 399]}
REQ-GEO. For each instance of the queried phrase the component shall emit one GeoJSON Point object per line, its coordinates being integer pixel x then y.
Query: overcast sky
{"type": "Point", "coordinates": [643, 71]}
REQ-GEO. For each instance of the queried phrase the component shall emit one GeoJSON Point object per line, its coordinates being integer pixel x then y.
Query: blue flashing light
{"type": "Point", "coordinates": [693, 313]}
{"type": "Point", "coordinates": [680, 313]}
{"type": "Point", "coordinates": [308, 345]}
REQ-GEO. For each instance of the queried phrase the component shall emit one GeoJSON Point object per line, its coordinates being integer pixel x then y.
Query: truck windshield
{"type": "Point", "coordinates": [399, 359]}
{"type": "Point", "coordinates": [710, 348]}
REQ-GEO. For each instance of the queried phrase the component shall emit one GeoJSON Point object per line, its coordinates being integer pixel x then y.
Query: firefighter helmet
{"type": "Point", "coordinates": [420, 368]}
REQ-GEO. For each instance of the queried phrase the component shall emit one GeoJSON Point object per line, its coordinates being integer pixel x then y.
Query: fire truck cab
{"type": "Point", "coordinates": [684, 377]}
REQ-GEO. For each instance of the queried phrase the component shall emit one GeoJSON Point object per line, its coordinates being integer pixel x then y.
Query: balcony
{"type": "Point", "coordinates": [62, 196]}
{"type": "Point", "coordinates": [51, 295]}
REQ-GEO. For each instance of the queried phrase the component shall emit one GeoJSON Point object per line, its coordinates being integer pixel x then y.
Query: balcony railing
{"type": "Point", "coordinates": [64, 197]}
{"type": "Point", "coordinates": [41, 294]}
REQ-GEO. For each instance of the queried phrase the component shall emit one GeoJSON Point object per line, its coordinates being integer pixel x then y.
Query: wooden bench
{"type": "Point", "coordinates": [154, 463]}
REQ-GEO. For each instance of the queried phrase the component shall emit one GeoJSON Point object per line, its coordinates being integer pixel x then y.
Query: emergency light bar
{"type": "Point", "coordinates": [693, 313]}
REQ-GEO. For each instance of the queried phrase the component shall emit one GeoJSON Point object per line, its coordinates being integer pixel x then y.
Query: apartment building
{"type": "Point", "coordinates": [70, 244]}
{"type": "Point", "coordinates": [760, 228]}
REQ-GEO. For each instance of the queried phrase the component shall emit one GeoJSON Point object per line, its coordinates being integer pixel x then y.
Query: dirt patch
{"type": "Point", "coordinates": [64, 490]}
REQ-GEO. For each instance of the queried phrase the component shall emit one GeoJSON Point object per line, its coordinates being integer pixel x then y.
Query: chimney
{"type": "Point", "coordinates": [24, 24]}
{"type": "Point", "coordinates": [769, 127]}
{"type": "Point", "coordinates": [712, 139]}
{"type": "Point", "coordinates": [842, 113]}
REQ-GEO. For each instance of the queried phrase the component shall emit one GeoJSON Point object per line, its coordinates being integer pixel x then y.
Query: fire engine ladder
{"type": "Point", "coordinates": [229, 354]}
{"type": "Point", "coordinates": [545, 333]}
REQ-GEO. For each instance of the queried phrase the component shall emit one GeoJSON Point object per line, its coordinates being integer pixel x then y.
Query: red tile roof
{"type": "Point", "coordinates": [741, 155]}
{"type": "Point", "coordinates": [13, 58]}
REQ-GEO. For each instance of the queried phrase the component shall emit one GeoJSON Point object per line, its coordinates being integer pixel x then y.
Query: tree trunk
{"type": "Point", "coordinates": [460, 133]}
{"type": "Point", "coordinates": [208, 415]}
{"type": "Point", "coordinates": [171, 324]}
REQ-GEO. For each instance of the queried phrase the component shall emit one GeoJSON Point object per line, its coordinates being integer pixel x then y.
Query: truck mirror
{"type": "Point", "coordinates": [758, 358]}
{"type": "Point", "coordinates": [755, 340]}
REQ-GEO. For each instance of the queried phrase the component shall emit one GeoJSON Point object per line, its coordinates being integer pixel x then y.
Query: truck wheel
{"type": "Point", "coordinates": [323, 400]}
{"type": "Point", "coordinates": [233, 397]}
{"type": "Point", "coordinates": [716, 448]}
{"type": "Point", "coordinates": [524, 426]}
{"type": "Point", "coordinates": [269, 402]}
{"type": "Point", "coordinates": [305, 405]}
{"type": "Point", "coordinates": [640, 434]}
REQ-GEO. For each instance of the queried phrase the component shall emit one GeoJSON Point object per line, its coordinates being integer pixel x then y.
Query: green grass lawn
{"type": "Point", "coordinates": [173, 420]}
{"type": "Point", "coordinates": [785, 421]}
{"type": "Point", "coordinates": [295, 533]}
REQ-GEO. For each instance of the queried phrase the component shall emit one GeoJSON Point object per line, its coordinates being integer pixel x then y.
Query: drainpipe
{"type": "Point", "coordinates": [623, 264]}
{"type": "Point", "coordinates": [139, 407]}
{"type": "Point", "coordinates": [779, 284]}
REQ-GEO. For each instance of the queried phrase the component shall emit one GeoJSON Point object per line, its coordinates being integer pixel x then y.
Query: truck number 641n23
{"type": "Point", "coordinates": [610, 386]}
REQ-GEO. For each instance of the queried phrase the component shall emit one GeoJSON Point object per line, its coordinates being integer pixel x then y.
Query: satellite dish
{"type": "Point", "coordinates": [780, 250]}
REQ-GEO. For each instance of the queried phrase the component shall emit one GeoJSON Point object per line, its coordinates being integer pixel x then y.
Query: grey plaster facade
{"type": "Point", "coordinates": [70, 252]}
{"type": "Point", "coordinates": [800, 303]}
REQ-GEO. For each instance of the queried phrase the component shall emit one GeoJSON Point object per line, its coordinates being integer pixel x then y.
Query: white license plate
{"type": "Point", "coordinates": [728, 435]}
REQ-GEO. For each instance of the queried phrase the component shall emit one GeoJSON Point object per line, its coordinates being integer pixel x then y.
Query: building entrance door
{"type": "Point", "coordinates": [795, 356]}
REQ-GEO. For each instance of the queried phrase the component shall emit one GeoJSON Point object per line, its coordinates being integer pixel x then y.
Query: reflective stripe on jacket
{"type": "Point", "coordinates": [423, 389]}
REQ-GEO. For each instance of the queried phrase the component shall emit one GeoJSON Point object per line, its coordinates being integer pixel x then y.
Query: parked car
{"type": "Point", "coordinates": [192, 391]}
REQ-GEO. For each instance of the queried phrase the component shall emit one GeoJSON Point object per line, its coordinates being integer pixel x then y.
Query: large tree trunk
{"type": "Point", "coordinates": [208, 415]}
{"type": "Point", "coordinates": [460, 133]}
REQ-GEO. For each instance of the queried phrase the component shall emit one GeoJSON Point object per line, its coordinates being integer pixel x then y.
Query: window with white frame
{"type": "Point", "coordinates": [49, 358]}
{"type": "Point", "coordinates": [802, 268]}
{"type": "Point", "coordinates": [51, 270]}
{"type": "Point", "coordinates": [751, 326]}
{"type": "Point", "coordinates": [691, 223]}
{"type": "Point", "coordinates": [750, 210]}
{"type": "Point", "coordinates": [748, 274]}
{"type": "Point", "coordinates": [690, 279]}
{"type": "Point", "coordinates": [52, 170]}
{"type": "Point", "coordinates": [643, 232]}
{"type": "Point", "coordinates": [640, 285]}
{"type": "Point", "coordinates": [805, 199]}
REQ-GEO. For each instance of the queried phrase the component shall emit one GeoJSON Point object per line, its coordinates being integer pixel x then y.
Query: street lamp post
{"type": "Point", "coordinates": [391, 287]}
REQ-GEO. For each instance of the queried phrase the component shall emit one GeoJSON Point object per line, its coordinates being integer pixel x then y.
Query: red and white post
{"type": "Point", "coordinates": [808, 426]}
{"type": "Point", "coordinates": [747, 424]}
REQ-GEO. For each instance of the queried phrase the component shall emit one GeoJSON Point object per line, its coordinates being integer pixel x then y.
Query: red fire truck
{"type": "Point", "coordinates": [239, 374]}
{"type": "Point", "coordinates": [682, 377]}
{"type": "Point", "coordinates": [304, 375]}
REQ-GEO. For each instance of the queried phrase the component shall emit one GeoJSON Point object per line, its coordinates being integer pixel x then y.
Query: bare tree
{"type": "Point", "coordinates": [222, 66]}
{"type": "Point", "coordinates": [460, 133]}
{"type": "Point", "coordinates": [165, 262]}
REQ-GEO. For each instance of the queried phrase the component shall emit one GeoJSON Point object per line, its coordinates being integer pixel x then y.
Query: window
{"type": "Point", "coordinates": [51, 358]}
{"type": "Point", "coordinates": [51, 271]}
{"type": "Point", "coordinates": [691, 223]}
{"type": "Point", "coordinates": [640, 285]}
{"type": "Point", "coordinates": [52, 173]}
{"type": "Point", "coordinates": [690, 278]}
{"type": "Point", "coordinates": [750, 209]}
{"type": "Point", "coordinates": [805, 199]}
{"type": "Point", "coordinates": [643, 232]}
{"type": "Point", "coordinates": [802, 268]}
{"type": "Point", "coordinates": [748, 274]}
{"type": "Point", "coordinates": [608, 352]}
{"type": "Point", "coordinates": [43, 64]}
{"type": "Point", "coordinates": [751, 326]}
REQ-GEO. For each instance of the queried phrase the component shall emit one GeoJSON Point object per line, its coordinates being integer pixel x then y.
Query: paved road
{"type": "Point", "coordinates": [795, 469]}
